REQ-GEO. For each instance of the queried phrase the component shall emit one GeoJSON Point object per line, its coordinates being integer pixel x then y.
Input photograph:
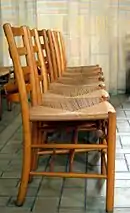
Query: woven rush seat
{"type": "Point", "coordinates": [81, 80]}
{"type": "Point", "coordinates": [74, 94]}
{"type": "Point", "coordinates": [71, 104]}
{"type": "Point", "coordinates": [92, 111]}
{"type": "Point", "coordinates": [96, 72]}
{"type": "Point", "coordinates": [86, 70]}
{"type": "Point", "coordinates": [75, 90]}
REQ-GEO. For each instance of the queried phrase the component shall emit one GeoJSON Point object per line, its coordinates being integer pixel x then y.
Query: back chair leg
{"type": "Point", "coordinates": [103, 169]}
{"type": "Point", "coordinates": [103, 166]}
{"type": "Point", "coordinates": [9, 105]}
{"type": "Point", "coordinates": [72, 152]}
{"type": "Point", "coordinates": [34, 157]}
{"type": "Point", "coordinates": [111, 162]}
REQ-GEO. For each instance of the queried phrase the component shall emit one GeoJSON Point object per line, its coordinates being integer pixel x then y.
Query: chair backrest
{"type": "Point", "coordinates": [40, 60]}
{"type": "Point", "coordinates": [47, 54]}
{"type": "Point", "coordinates": [54, 48]}
{"type": "Point", "coordinates": [62, 51]}
{"type": "Point", "coordinates": [51, 50]}
{"type": "Point", "coordinates": [18, 51]}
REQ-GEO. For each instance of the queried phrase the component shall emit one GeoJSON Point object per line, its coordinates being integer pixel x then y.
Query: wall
{"type": "Point", "coordinates": [94, 31]}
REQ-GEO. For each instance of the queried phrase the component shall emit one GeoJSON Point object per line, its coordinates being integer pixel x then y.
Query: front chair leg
{"type": "Point", "coordinates": [111, 162]}
{"type": "Point", "coordinates": [26, 167]}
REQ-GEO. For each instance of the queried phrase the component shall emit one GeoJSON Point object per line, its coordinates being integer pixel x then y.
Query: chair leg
{"type": "Point", "coordinates": [9, 106]}
{"type": "Point", "coordinates": [26, 167]}
{"type": "Point", "coordinates": [36, 138]}
{"type": "Point", "coordinates": [103, 169]}
{"type": "Point", "coordinates": [0, 106]}
{"type": "Point", "coordinates": [72, 153]}
{"type": "Point", "coordinates": [111, 162]}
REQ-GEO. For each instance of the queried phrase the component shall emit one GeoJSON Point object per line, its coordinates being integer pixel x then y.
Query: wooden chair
{"type": "Point", "coordinates": [95, 110]}
{"type": "Point", "coordinates": [92, 69]}
{"type": "Point", "coordinates": [51, 42]}
{"type": "Point", "coordinates": [93, 73]}
{"type": "Point", "coordinates": [52, 99]}
{"type": "Point", "coordinates": [11, 88]}
{"type": "Point", "coordinates": [69, 88]}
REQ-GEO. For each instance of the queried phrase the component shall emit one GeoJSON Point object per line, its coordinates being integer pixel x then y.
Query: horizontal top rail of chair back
{"type": "Point", "coordinates": [16, 52]}
{"type": "Point", "coordinates": [17, 31]}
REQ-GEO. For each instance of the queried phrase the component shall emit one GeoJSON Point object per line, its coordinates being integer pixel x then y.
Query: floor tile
{"type": "Point", "coordinates": [14, 210]}
{"type": "Point", "coordinates": [28, 204]}
{"type": "Point", "coordinates": [125, 140]}
{"type": "Point", "coordinates": [98, 203]}
{"type": "Point", "coordinates": [9, 182]}
{"type": "Point", "coordinates": [128, 158]}
{"type": "Point", "coordinates": [50, 187]}
{"type": "Point", "coordinates": [121, 165]}
{"type": "Point", "coordinates": [48, 205]}
{"type": "Point", "coordinates": [96, 188]}
{"type": "Point", "coordinates": [72, 202]}
{"type": "Point", "coordinates": [123, 126]}
{"type": "Point", "coordinates": [122, 183]}
{"type": "Point", "coordinates": [68, 195]}
{"type": "Point", "coordinates": [4, 201]}
{"type": "Point", "coordinates": [122, 210]}
{"type": "Point", "coordinates": [122, 197]}
{"type": "Point", "coordinates": [74, 182]}
{"type": "Point", "coordinates": [12, 174]}
{"type": "Point", "coordinates": [120, 113]}
{"type": "Point", "coordinates": [122, 175]}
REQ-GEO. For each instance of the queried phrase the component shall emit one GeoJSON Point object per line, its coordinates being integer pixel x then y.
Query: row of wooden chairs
{"type": "Point", "coordinates": [54, 52]}
{"type": "Point", "coordinates": [54, 97]}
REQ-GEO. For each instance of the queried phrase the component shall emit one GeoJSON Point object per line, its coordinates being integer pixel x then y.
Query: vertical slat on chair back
{"type": "Point", "coordinates": [47, 54]}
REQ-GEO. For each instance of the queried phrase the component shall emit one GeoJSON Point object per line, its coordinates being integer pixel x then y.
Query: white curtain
{"type": "Point", "coordinates": [16, 12]}
{"type": "Point", "coordinates": [94, 31]}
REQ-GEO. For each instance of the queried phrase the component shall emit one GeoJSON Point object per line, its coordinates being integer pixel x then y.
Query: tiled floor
{"type": "Point", "coordinates": [63, 195]}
